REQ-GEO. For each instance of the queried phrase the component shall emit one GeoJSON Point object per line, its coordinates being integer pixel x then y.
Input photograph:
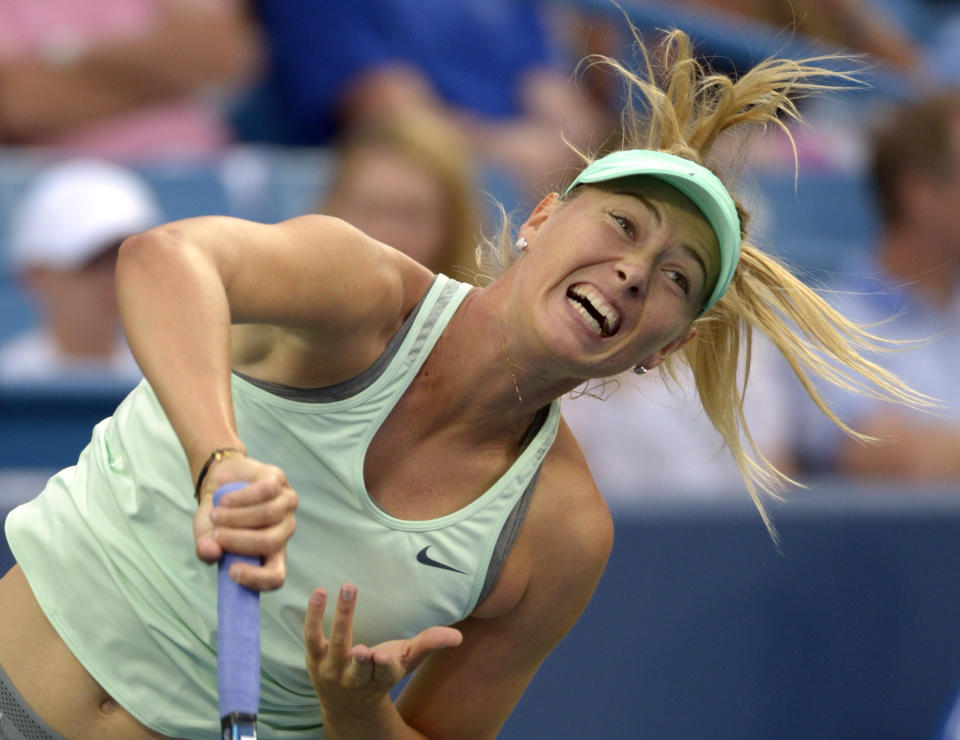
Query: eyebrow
{"type": "Point", "coordinates": [643, 199]}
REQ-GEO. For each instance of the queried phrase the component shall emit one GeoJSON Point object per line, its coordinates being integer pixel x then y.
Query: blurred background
{"type": "Point", "coordinates": [413, 119]}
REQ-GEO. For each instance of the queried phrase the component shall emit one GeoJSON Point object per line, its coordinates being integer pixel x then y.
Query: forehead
{"type": "Point", "coordinates": [670, 205]}
{"type": "Point", "coordinates": [647, 189]}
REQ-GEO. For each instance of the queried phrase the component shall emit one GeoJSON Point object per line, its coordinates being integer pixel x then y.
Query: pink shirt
{"type": "Point", "coordinates": [190, 127]}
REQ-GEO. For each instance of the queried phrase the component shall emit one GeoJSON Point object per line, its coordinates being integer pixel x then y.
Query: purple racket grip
{"type": "Point", "coordinates": [238, 634]}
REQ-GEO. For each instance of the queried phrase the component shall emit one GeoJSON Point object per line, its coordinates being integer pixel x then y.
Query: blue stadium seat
{"type": "Point", "coordinates": [818, 223]}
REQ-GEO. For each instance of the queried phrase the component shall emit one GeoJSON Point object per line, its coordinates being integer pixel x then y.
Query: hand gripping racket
{"type": "Point", "coordinates": [238, 645]}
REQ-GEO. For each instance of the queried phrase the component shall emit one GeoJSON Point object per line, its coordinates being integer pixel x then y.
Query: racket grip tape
{"type": "Point", "coordinates": [238, 644]}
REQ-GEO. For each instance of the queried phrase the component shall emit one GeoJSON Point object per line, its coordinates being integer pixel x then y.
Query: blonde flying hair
{"type": "Point", "coordinates": [683, 108]}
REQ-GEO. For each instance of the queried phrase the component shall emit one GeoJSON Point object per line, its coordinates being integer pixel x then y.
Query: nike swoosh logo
{"type": "Point", "coordinates": [422, 557]}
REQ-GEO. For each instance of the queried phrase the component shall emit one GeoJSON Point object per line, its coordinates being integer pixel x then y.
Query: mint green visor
{"type": "Point", "coordinates": [696, 182]}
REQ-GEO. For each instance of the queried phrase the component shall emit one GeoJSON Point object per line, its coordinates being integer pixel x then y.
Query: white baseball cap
{"type": "Point", "coordinates": [74, 210]}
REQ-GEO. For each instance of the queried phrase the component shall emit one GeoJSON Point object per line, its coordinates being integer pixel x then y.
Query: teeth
{"type": "Point", "coordinates": [586, 314]}
{"type": "Point", "coordinates": [611, 319]}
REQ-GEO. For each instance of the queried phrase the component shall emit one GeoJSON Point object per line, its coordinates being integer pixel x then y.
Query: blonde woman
{"type": "Point", "coordinates": [446, 523]}
{"type": "Point", "coordinates": [408, 180]}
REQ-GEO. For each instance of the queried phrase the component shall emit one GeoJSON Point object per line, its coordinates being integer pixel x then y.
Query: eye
{"type": "Point", "coordinates": [680, 279]}
{"type": "Point", "coordinates": [625, 224]}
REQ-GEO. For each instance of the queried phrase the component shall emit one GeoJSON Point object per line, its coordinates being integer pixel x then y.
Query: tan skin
{"type": "Point", "coordinates": [456, 429]}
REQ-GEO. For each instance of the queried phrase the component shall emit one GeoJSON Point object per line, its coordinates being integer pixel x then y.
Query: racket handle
{"type": "Point", "coordinates": [238, 727]}
{"type": "Point", "coordinates": [238, 645]}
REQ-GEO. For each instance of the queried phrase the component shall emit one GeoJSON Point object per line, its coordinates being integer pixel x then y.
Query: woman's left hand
{"type": "Point", "coordinates": [351, 679]}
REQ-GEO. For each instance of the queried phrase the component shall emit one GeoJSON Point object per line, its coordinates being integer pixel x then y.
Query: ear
{"type": "Point", "coordinates": [539, 216]}
{"type": "Point", "coordinates": [651, 361]}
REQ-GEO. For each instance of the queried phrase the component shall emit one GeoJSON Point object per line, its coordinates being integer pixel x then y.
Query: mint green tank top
{"type": "Point", "coordinates": [108, 545]}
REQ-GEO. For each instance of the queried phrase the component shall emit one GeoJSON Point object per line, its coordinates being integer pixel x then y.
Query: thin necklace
{"type": "Point", "coordinates": [510, 363]}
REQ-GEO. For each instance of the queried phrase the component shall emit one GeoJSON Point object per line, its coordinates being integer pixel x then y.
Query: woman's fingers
{"type": "Point", "coordinates": [337, 665]}
{"type": "Point", "coordinates": [313, 629]}
{"type": "Point", "coordinates": [262, 514]}
{"type": "Point", "coordinates": [206, 543]}
{"type": "Point", "coordinates": [257, 520]}
{"type": "Point", "coordinates": [386, 664]}
{"type": "Point", "coordinates": [261, 542]}
{"type": "Point", "coordinates": [268, 576]}
{"type": "Point", "coordinates": [207, 548]}
{"type": "Point", "coordinates": [341, 629]}
{"type": "Point", "coordinates": [431, 639]}
{"type": "Point", "coordinates": [266, 484]}
{"type": "Point", "coordinates": [420, 646]}
{"type": "Point", "coordinates": [331, 661]}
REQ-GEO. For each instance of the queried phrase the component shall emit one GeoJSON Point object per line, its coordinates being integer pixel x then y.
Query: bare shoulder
{"type": "Point", "coordinates": [312, 273]}
{"type": "Point", "coordinates": [315, 272]}
{"type": "Point", "coordinates": [358, 274]}
{"type": "Point", "coordinates": [312, 285]}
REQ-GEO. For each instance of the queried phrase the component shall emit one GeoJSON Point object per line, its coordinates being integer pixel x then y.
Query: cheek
{"type": "Point", "coordinates": [659, 328]}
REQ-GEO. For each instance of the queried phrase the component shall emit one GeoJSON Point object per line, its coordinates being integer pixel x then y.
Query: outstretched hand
{"type": "Point", "coordinates": [256, 520]}
{"type": "Point", "coordinates": [350, 679]}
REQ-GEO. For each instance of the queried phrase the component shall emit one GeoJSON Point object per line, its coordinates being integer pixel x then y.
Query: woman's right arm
{"type": "Point", "coordinates": [181, 285]}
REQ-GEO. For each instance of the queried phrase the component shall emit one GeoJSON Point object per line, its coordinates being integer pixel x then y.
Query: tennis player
{"type": "Point", "coordinates": [446, 522]}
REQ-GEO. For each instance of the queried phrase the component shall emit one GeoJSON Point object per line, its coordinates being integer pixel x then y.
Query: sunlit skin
{"type": "Point", "coordinates": [645, 248]}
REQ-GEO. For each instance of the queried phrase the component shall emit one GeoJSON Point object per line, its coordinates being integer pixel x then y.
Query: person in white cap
{"type": "Point", "coordinates": [65, 233]}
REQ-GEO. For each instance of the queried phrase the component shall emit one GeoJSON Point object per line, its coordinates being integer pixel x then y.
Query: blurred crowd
{"type": "Point", "coordinates": [433, 111]}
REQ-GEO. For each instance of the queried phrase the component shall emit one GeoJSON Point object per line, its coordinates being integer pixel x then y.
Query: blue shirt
{"type": "Point", "coordinates": [475, 53]}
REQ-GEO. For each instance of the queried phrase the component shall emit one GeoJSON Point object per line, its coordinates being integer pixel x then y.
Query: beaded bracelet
{"type": "Point", "coordinates": [215, 456]}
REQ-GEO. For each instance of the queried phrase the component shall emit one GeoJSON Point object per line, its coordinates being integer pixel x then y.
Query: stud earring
{"type": "Point", "coordinates": [522, 242]}
{"type": "Point", "coordinates": [640, 370]}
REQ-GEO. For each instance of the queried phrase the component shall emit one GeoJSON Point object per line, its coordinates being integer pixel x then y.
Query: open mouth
{"type": "Point", "coordinates": [595, 310]}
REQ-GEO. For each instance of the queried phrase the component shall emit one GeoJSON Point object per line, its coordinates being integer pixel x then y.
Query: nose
{"type": "Point", "coordinates": [633, 275]}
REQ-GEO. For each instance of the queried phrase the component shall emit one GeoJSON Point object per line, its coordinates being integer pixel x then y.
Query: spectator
{"type": "Point", "coordinates": [65, 235]}
{"type": "Point", "coordinates": [909, 288]}
{"type": "Point", "coordinates": [121, 79]}
{"type": "Point", "coordinates": [487, 65]}
{"type": "Point", "coordinates": [407, 181]}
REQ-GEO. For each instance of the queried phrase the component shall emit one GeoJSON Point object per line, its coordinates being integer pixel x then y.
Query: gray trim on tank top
{"type": "Point", "coordinates": [353, 386]}
{"type": "Point", "coordinates": [349, 388]}
{"type": "Point", "coordinates": [511, 527]}
{"type": "Point", "coordinates": [18, 721]}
